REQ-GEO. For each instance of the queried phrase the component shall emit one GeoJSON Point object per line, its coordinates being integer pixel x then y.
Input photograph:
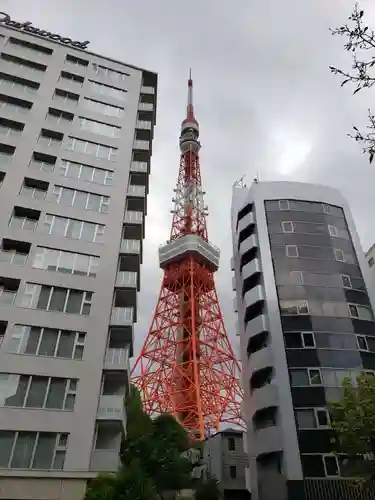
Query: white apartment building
{"type": "Point", "coordinates": [76, 134]}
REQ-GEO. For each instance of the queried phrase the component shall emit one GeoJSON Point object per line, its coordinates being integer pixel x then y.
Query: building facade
{"type": "Point", "coordinates": [75, 145]}
{"type": "Point", "coordinates": [225, 458]}
{"type": "Point", "coordinates": [305, 321]}
{"type": "Point", "coordinates": [370, 257]}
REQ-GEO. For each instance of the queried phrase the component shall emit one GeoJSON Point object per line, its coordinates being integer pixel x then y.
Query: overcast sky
{"type": "Point", "coordinates": [264, 97]}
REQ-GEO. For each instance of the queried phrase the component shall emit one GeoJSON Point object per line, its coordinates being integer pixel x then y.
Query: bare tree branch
{"type": "Point", "coordinates": [360, 39]}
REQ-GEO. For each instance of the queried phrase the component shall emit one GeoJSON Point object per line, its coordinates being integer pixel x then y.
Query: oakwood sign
{"type": "Point", "coordinates": [27, 26]}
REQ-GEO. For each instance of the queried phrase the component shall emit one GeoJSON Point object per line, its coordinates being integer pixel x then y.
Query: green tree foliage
{"type": "Point", "coordinates": [153, 467]}
{"type": "Point", "coordinates": [207, 490]}
{"type": "Point", "coordinates": [360, 41]}
{"type": "Point", "coordinates": [353, 423]}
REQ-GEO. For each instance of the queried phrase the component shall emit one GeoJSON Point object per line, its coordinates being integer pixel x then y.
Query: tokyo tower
{"type": "Point", "coordinates": [187, 366]}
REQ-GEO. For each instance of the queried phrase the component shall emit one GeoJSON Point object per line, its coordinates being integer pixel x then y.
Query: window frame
{"type": "Point", "coordinates": [287, 251]}
{"type": "Point", "coordinates": [333, 231]}
{"type": "Point", "coordinates": [309, 370]}
{"type": "Point", "coordinates": [280, 202]}
{"type": "Point", "coordinates": [346, 276]}
{"type": "Point", "coordinates": [284, 223]}
{"type": "Point", "coordinates": [330, 456]}
{"type": "Point", "coordinates": [337, 252]}
{"type": "Point", "coordinates": [303, 340]}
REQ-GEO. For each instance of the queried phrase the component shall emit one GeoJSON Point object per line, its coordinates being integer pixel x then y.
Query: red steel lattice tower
{"type": "Point", "coordinates": [187, 366]}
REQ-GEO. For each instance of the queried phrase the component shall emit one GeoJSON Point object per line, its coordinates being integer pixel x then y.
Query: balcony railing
{"type": "Point", "coordinates": [130, 246]}
{"type": "Point", "coordinates": [7, 297]}
{"type": "Point", "coordinates": [9, 132]}
{"type": "Point", "coordinates": [116, 357]}
{"type": "Point", "coordinates": [126, 279]}
{"type": "Point", "coordinates": [143, 124]}
{"type": "Point", "coordinates": [23, 223]}
{"type": "Point", "coordinates": [145, 106]}
{"type": "Point", "coordinates": [147, 90]}
{"type": "Point", "coordinates": [111, 407]}
{"type": "Point", "coordinates": [105, 460]}
{"type": "Point", "coordinates": [133, 217]}
{"type": "Point", "coordinates": [13, 257]}
{"type": "Point", "coordinates": [5, 159]}
{"type": "Point", "coordinates": [134, 190]}
{"type": "Point", "coordinates": [139, 166]}
{"type": "Point", "coordinates": [122, 315]}
{"type": "Point", "coordinates": [141, 144]}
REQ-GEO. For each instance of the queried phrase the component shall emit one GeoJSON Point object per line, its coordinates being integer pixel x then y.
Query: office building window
{"type": "Point", "coordinates": [291, 251]}
{"type": "Point", "coordinates": [231, 444]}
{"type": "Point", "coordinates": [18, 63]}
{"type": "Point", "coordinates": [65, 262]}
{"type": "Point", "coordinates": [53, 298]}
{"type": "Point", "coordinates": [64, 97]}
{"type": "Point", "coordinates": [43, 162]}
{"type": "Point", "coordinates": [104, 109]}
{"type": "Point", "coordinates": [32, 450]}
{"type": "Point", "coordinates": [39, 341]}
{"type": "Point", "coordinates": [73, 229]}
{"type": "Point", "coordinates": [80, 199]}
{"type": "Point", "coordinates": [35, 391]}
{"type": "Point", "coordinates": [85, 173]}
{"type": "Point", "coordinates": [66, 77]}
{"type": "Point", "coordinates": [32, 48]}
{"type": "Point", "coordinates": [91, 148]}
{"type": "Point", "coordinates": [360, 312]}
{"type": "Point", "coordinates": [288, 227]}
{"type": "Point", "coordinates": [76, 61]}
{"type": "Point", "coordinates": [8, 83]}
{"type": "Point", "coordinates": [15, 105]}
{"type": "Point", "coordinates": [331, 465]}
{"type": "Point", "coordinates": [57, 117]}
{"type": "Point", "coordinates": [107, 90]}
{"type": "Point", "coordinates": [111, 74]}
{"type": "Point", "coordinates": [99, 127]}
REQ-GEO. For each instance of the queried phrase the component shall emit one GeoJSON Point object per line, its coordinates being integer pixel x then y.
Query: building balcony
{"type": "Point", "coordinates": [247, 220]}
{"type": "Point", "coordinates": [127, 279]}
{"type": "Point", "coordinates": [143, 124]}
{"type": "Point", "coordinates": [132, 247]}
{"type": "Point", "coordinates": [121, 316]}
{"type": "Point", "coordinates": [147, 90]}
{"type": "Point", "coordinates": [105, 460]}
{"type": "Point", "coordinates": [145, 106]}
{"type": "Point", "coordinates": [139, 166]}
{"type": "Point", "coordinates": [12, 257]}
{"type": "Point", "coordinates": [139, 191]}
{"type": "Point", "coordinates": [141, 144]}
{"type": "Point", "coordinates": [132, 217]}
{"type": "Point", "coordinates": [111, 407]}
{"type": "Point", "coordinates": [116, 359]}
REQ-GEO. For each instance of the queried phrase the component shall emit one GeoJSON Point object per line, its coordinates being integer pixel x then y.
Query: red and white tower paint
{"type": "Point", "coordinates": [187, 366]}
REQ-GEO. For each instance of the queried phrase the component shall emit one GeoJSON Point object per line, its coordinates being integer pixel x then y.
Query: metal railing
{"type": "Point", "coordinates": [147, 90]}
{"type": "Point", "coordinates": [134, 190]}
{"type": "Point", "coordinates": [130, 246]}
{"type": "Point", "coordinates": [122, 315]}
{"type": "Point", "coordinates": [145, 106]}
{"type": "Point", "coordinates": [126, 278]}
{"type": "Point", "coordinates": [131, 216]}
{"type": "Point", "coordinates": [141, 144]}
{"type": "Point", "coordinates": [7, 297]}
{"type": "Point", "coordinates": [139, 166]}
{"type": "Point", "coordinates": [116, 356]}
{"type": "Point", "coordinates": [23, 223]}
{"type": "Point", "coordinates": [111, 406]}
{"type": "Point", "coordinates": [143, 124]}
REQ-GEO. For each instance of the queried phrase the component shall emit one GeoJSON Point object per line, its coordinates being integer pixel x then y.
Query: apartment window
{"type": "Point", "coordinates": [56, 116]}
{"type": "Point", "coordinates": [71, 78]}
{"type": "Point", "coordinates": [73, 229]}
{"type": "Point", "coordinates": [24, 218]}
{"type": "Point", "coordinates": [65, 262]}
{"type": "Point", "coordinates": [232, 471]}
{"type": "Point", "coordinates": [116, 76]}
{"type": "Point", "coordinates": [346, 281]}
{"type": "Point", "coordinates": [53, 298]}
{"type": "Point", "coordinates": [105, 109]}
{"type": "Point", "coordinates": [107, 90]}
{"type": "Point", "coordinates": [360, 312]}
{"type": "Point", "coordinates": [371, 262]}
{"type": "Point", "coordinates": [43, 162]}
{"type": "Point", "coordinates": [362, 343]}
{"type": "Point", "coordinates": [314, 376]}
{"type": "Point", "coordinates": [15, 105]}
{"type": "Point", "coordinates": [231, 444]}
{"type": "Point", "coordinates": [34, 188]}
{"type": "Point", "coordinates": [32, 450]}
{"type": "Point", "coordinates": [294, 307]}
{"type": "Point", "coordinates": [303, 377]}
{"type": "Point", "coordinates": [91, 148]}
{"type": "Point", "coordinates": [339, 255]}
{"type": "Point", "coordinates": [331, 465]}
{"type": "Point", "coordinates": [284, 205]}
{"type": "Point", "coordinates": [296, 277]}
{"type": "Point", "coordinates": [333, 230]}
{"type": "Point", "coordinates": [18, 63]}
{"type": "Point", "coordinates": [65, 97]}
{"type": "Point", "coordinates": [287, 226]}
{"type": "Point", "coordinates": [8, 83]}
{"type": "Point", "coordinates": [326, 209]}
{"type": "Point", "coordinates": [86, 173]}
{"type": "Point", "coordinates": [291, 251]}
{"type": "Point", "coordinates": [29, 47]}
{"type": "Point", "coordinates": [6, 154]}
{"type": "Point", "coordinates": [80, 199]}
{"type": "Point", "coordinates": [34, 391]}
{"type": "Point", "coordinates": [10, 128]}
{"type": "Point", "coordinates": [76, 61]}
{"type": "Point", "coordinates": [308, 339]}
{"type": "Point", "coordinates": [312, 418]}
{"type": "Point", "coordinates": [38, 341]}
{"type": "Point", "coordinates": [99, 127]}
{"type": "Point", "coordinates": [50, 138]}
